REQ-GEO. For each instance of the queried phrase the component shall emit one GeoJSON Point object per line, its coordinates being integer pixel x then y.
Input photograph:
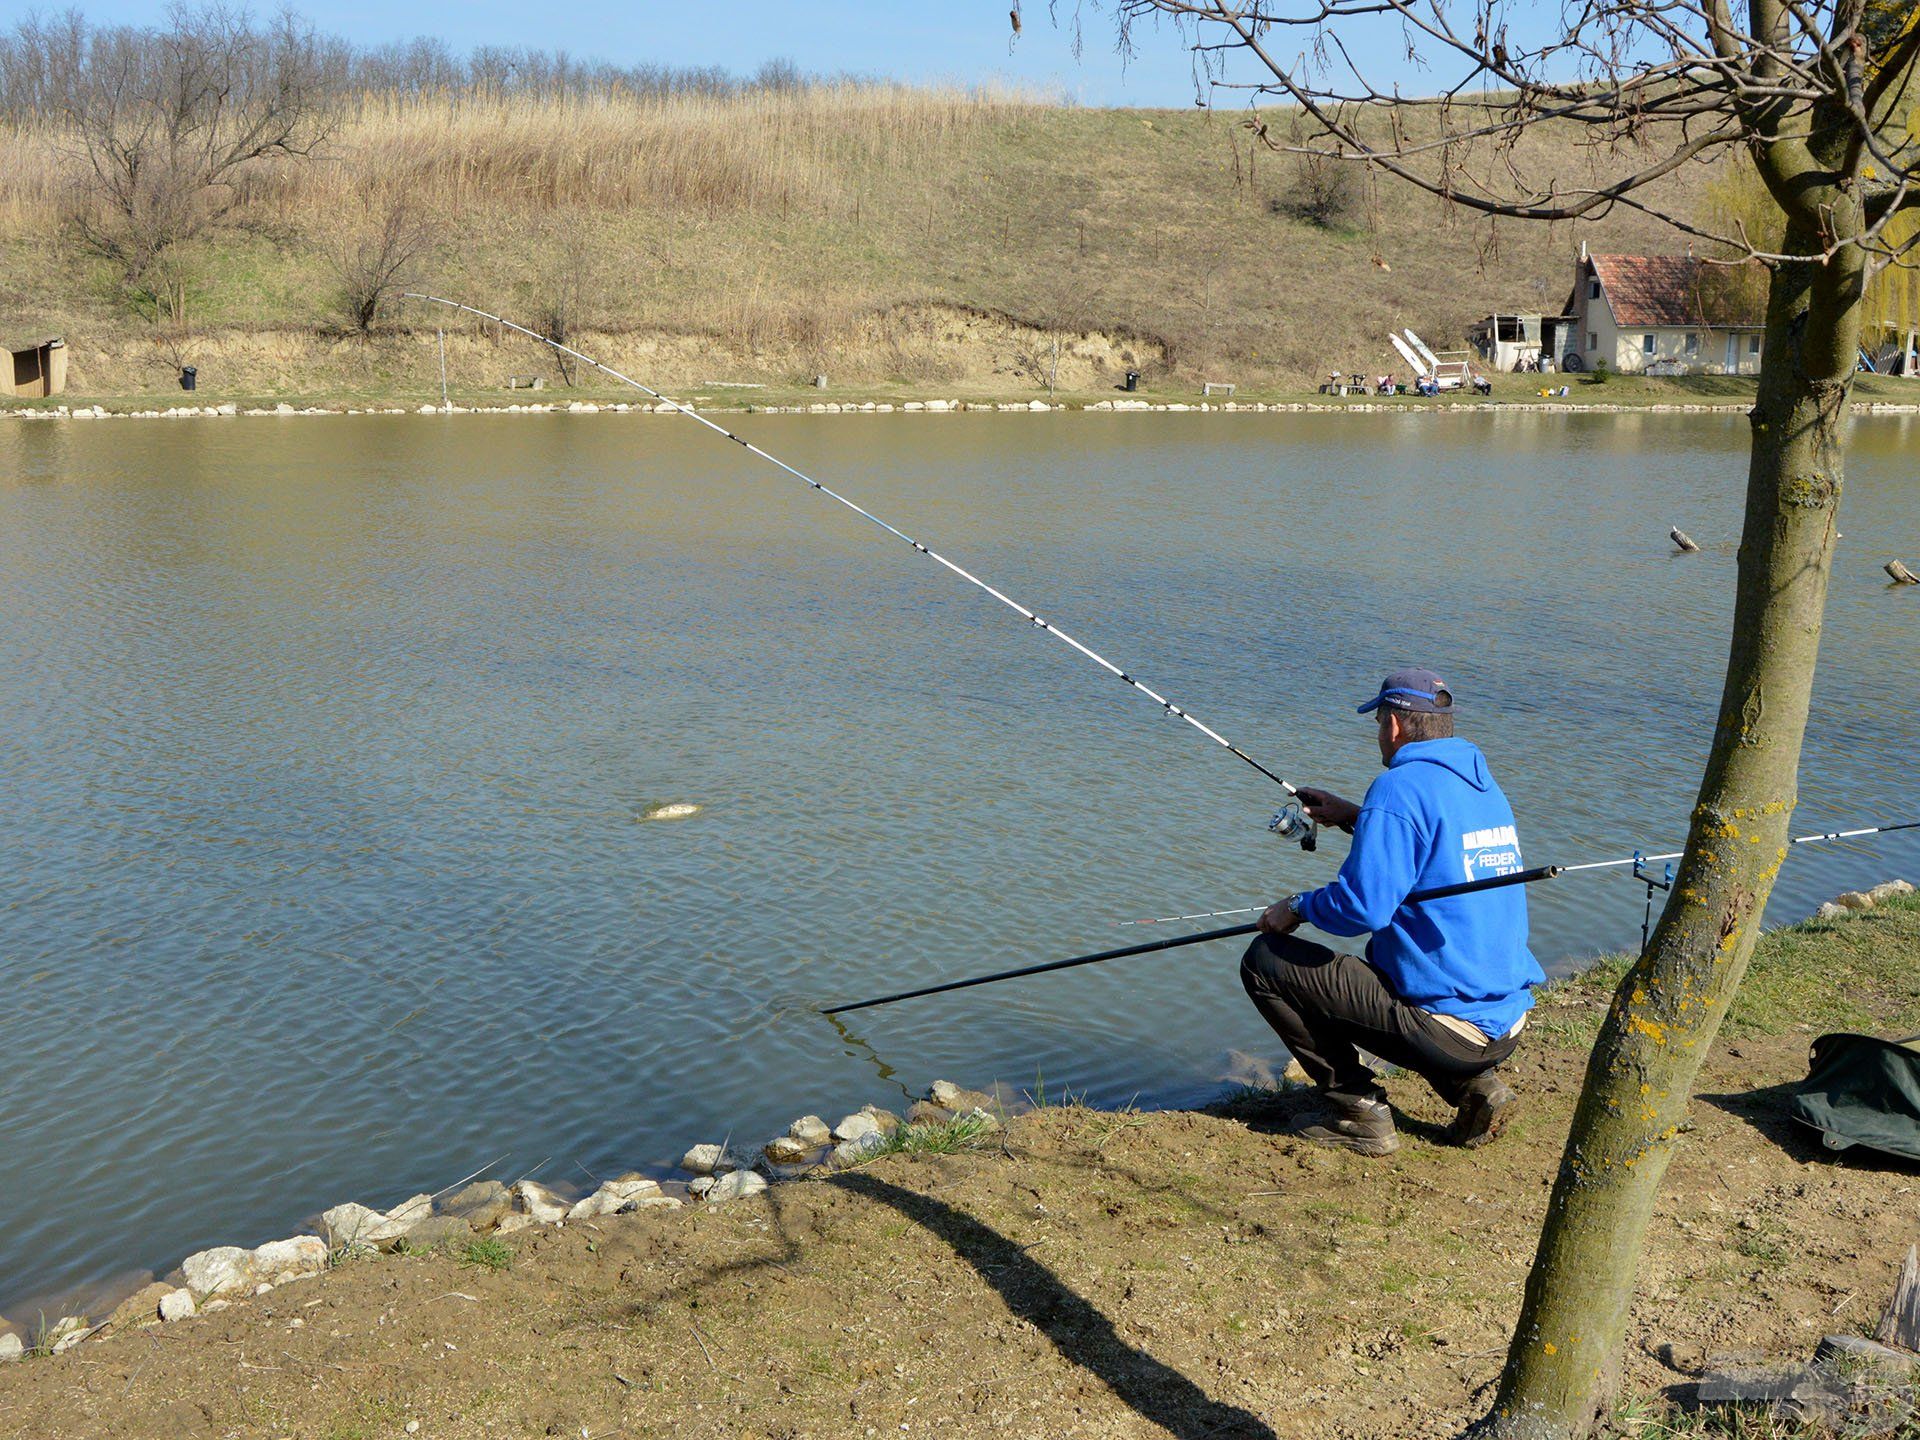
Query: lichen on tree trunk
{"type": "Point", "coordinates": [1562, 1368]}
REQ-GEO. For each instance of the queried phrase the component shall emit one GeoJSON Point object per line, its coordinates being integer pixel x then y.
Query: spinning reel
{"type": "Point", "coordinates": [1293, 823]}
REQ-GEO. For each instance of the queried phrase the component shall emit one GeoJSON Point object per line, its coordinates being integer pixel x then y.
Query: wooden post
{"type": "Point", "coordinates": [1901, 1324]}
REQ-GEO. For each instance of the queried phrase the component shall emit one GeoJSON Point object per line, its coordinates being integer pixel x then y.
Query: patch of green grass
{"type": "Point", "coordinates": [1818, 975]}
{"type": "Point", "coordinates": [485, 1251]}
{"type": "Point", "coordinates": [1764, 1247]}
{"type": "Point", "coordinates": [1851, 973]}
{"type": "Point", "coordinates": [960, 1133]}
{"type": "Point", "coordinates": [1397, 1279]}
{"type": "Point", "coordinates": [42, 1342]}
{"type": "Point", "coordinates": [1646, 1418]}
{"type": "Point", "coordinates": [1038, 1097]}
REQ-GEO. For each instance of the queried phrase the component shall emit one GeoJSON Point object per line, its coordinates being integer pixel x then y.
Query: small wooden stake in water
{"type": "Point", "coordinates": [1682, 539]}
{"type": "Point", "coordinates": [1900, 574]}
{"type": "Point", "coordinates": [443, 370]}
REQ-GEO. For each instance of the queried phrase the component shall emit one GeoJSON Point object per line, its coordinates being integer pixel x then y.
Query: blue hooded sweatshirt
{"type": "Point", "coordinates": [1435, 818]}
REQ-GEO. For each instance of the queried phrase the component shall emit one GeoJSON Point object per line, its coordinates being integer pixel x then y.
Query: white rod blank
{"type": "Point", "coordinates": [1105, 664]}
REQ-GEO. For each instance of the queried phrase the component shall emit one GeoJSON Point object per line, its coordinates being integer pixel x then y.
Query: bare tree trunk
{"type": "Point", "coordinates": [1564, 1362]}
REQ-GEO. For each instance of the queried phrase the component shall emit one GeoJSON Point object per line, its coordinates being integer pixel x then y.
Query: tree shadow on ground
{"type": "Point", "coordinates": [1078, 1330]}
{"type": "Point", "coordinates": [1769, 1111]}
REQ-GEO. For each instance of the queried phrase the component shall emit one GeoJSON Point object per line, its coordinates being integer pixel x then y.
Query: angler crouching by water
{"type": "Point", "coordinates": [1445, 984]}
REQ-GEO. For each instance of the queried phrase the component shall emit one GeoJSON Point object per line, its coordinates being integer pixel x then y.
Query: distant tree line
{"type": "Point", "coordinates": [51, 68]}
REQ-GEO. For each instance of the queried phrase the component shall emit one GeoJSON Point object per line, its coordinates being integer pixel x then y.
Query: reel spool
{"type": "Point", "coordinates": [1293, 823]}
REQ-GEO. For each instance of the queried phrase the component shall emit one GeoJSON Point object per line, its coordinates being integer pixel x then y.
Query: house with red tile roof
{"type": "Point", "coordinates": [1673, 312]}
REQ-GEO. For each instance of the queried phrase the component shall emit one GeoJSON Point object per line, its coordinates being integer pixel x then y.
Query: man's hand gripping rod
{"type": "Point", "coordinates": [1291, 823]}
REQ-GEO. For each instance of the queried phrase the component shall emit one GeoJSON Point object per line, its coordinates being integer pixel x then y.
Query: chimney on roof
{"type": "Point", "coordinates": [1583, 252]}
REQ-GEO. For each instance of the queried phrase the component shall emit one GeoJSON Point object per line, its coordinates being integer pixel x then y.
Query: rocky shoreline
{"type": "Point", "coordinates": [474, 1211]}
{"type": "Point", "coordinates": [230, 409]}
{"type": "Point", "coordinates": [477, 1210]}
{"type": "Point", "coordinates": [1239, 1266]}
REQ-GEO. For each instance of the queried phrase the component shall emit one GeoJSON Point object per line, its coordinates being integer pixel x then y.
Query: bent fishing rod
{"type": "Point", "coordinates": [1291, 823]}
{"type": "Point", "coordinates": [1439, 892]}
{"type": "Point", "coordinates": [1546, 872]}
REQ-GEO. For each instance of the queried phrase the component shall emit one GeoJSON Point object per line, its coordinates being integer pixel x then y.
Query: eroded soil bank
{"type": "Point", "coordinates": [1080, 1273]}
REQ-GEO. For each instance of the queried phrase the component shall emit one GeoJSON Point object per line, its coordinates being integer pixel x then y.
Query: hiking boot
{"type": "Point", "coordinates": [1487, 1105]}
{"type": "Point", "coordinates": [1360, 1123]}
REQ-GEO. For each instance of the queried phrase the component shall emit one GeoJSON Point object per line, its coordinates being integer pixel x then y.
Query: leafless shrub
{"type": "Point", "coordinates": [168, 124]}
{"type": "Point", "coordinates": [572, 283]}
{"type": "Point", "coordinates": [1323, 192]}
{"type": "Point", "coordinates": [378, 249]}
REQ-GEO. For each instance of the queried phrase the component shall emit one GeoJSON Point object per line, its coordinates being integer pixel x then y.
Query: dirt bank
{"type": "Point", "coordinates": [1078, 1274]}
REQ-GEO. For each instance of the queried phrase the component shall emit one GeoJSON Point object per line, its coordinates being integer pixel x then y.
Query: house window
{"type": "Point", "coordinates": [1593, 341]}
{"type": "Point", "coordinates": [1646, 344]}
{"type": "Point", "coordinates": [1753, 344]}
{"type": "Point", "coordinates": [1693, 342]}
{"type": "Point", "coordinates": [1593, 289]}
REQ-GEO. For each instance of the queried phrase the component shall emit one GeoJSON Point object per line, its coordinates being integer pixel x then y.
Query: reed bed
{"type": "Point", "coordinates": [812, 149]}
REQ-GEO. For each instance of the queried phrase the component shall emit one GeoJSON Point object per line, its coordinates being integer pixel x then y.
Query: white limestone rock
{"type": "Point", "coordinates": [958, 1099]}
{"type": "Point", "coordinates": [649, 1202]}
{"type": "Point", "coordinates": [614, 1196]}
{"type": "Point", "coordinates": [708, 1160]}
{"type": "Point", "coordinates": [856, 1127]}
{"type": "Point", "coordinates": [736, 1185]}
{"type": "Point", "coordinates": [353, 1224]}
{"type": "Point", "coordinates": [12, 1347]}
{"type": "Point", "coordinates": [223, 1270]}
{"type": "Point", "coordinates": [177, 1305]}
{"type": "Point", "coordinates": [279, 1261]}
{"type": "Point", "coordinates": [1831, 911]}
{"type": "Point", "coordinates": [810, 1130]}
{"type": "Point", "coordinates": [1854, 900]}
{"type": "Point", "coordinates": [857, 1151]}
{"type": "Point", "coordinates": [539, 1203]}
{"type": "Point", "coordinates": [1889, 890]}
{"type": "Point", "coordinates": [785, 1150]}
{"type": "Point", "coordinates": [410, 1211]}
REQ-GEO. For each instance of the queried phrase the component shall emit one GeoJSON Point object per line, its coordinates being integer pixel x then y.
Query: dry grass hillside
{"type": "Point", "coordinates": [882, 235]}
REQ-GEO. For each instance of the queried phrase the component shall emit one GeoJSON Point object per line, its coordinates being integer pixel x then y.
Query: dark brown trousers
{"type": "Point", "coordinates": [1328, 1007]}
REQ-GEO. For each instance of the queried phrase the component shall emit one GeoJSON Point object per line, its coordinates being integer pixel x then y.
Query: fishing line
{"type": "Point", "coordinates": [1634, 860]}
{"type": "Point", "coordinates": [1289, 824]}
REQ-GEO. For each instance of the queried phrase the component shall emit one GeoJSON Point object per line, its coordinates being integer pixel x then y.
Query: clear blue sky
{"type": "Point", "coordinates": [902, 39]}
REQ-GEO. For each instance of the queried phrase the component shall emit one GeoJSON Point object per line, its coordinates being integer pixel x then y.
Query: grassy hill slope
{"type": "Point", "coordinates": [880, 235]}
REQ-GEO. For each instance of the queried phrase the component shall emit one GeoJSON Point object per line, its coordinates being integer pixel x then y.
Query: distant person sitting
{"type": "Point", "coordinates": [1445, 985]}
{"type": "Point", "coordinates": [1427, 385]}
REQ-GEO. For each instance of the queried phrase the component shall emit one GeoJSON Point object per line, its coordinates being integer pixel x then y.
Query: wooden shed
{"type": "Point", "coordinates": [35, 368]}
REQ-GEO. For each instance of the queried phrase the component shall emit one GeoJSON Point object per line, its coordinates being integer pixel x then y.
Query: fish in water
{"type": "Point", "coordinates": [670, 810]}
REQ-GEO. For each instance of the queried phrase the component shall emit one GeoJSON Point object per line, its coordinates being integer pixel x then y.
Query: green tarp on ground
{"type": "Point", "coordinates": [1862, 1090]}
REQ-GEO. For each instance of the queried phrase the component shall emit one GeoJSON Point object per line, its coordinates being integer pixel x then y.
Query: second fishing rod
{"type": "Point", "coordinates": [1538, 873]}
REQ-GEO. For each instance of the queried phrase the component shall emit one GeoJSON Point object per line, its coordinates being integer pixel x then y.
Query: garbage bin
{"type": "Point", "coordinates": [1133, 380]}
{"type": "Point", "coordinates": [189, 377]}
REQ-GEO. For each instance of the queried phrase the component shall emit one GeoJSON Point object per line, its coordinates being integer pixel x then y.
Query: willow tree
{"type": "Point", "coordinates": [1618, 95]}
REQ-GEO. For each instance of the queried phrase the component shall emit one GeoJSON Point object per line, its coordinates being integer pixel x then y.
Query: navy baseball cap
{"type": "Point", "coordinates": [1417, 690]}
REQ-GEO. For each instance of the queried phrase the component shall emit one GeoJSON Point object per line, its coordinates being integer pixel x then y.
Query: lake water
{"type": "Point", "coordinates": [326, 744]}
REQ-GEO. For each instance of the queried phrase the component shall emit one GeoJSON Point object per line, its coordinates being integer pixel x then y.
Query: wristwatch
{"type": "Point", "coordinates": [1292, 902]}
